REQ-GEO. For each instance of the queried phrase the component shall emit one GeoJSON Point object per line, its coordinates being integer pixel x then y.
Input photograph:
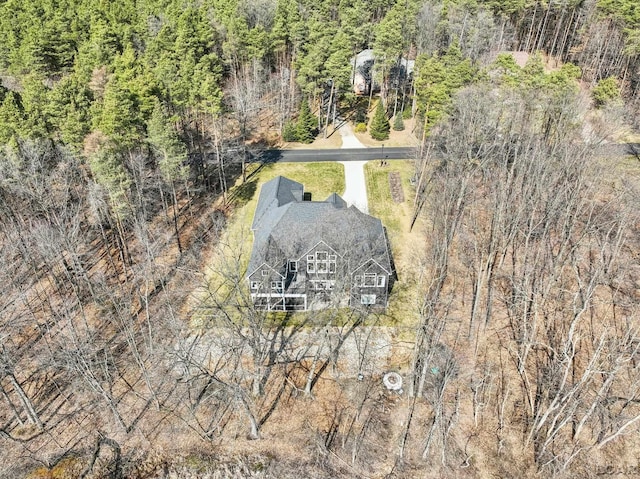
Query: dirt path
{"type": "Point", "coordinates": [355, 192]}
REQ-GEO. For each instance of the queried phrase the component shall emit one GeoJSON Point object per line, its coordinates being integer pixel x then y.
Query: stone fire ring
{"type": "Point", "coordinates": [392, 381]}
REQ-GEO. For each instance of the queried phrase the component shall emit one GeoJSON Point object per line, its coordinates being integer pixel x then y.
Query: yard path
{"type": "Point", "coordinates": [355, 192]}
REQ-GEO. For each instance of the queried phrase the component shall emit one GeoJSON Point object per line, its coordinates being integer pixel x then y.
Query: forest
{"type": "Point", "coordinates": [130, 138]}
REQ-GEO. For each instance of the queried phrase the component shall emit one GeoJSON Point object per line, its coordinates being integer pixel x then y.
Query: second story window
{"type": "Point", "coordinates": [321, 262]}
{"type": "Point", "coordinates": [370, 279]}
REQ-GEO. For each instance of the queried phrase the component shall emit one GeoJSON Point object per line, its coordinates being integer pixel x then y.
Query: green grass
{"type": "Point", "coordinates": [395, 216]}
{"type": "Point", "coordinates": [320, 179]}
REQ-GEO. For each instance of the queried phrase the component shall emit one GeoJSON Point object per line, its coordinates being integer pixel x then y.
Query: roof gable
{"type": "Point", "coordinates": [285, 227]}
{"type": "Point", "coordinates": [274, 194]}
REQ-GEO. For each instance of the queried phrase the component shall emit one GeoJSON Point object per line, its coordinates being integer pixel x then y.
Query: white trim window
{"type": "Point", "coordinates": [381, 280]}
{"type": "Point", "coordinates": [256, 284]}
{"type": "Point", "coordinates": [369, 279]}
{"type": "Point", "coordinates": [358, 280]}
{"type": "Point", "coordinates": [322, 262]}
{"type": "Point", "coordinates": [322, 285]}
{"type": "Point", "coordinates": [368, 299]}
{"type": "Point", "coordinates": [293, 266]}
{"type": "Point", "coordinates": [265, 272]}
{"type": "Point", "coordinates": [276, 284]}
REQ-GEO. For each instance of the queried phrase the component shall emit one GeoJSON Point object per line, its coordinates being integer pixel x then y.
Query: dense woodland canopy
{"type": "Point", "coordinates": [123, 126]}
{"type": "Point", "coordinates": [79, 67]}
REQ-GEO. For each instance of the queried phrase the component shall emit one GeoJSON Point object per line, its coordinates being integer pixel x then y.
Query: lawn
{"type": "Point", "coordinates": [321, 179]}
{"type": "Point", "coordinates": [407, 246]}
{"type": "Point", "coordinates": [395, 216]}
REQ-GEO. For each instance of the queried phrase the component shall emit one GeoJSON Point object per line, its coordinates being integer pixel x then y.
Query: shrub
{"type": "Point", "coordinates": [361, 128]}
{"type": "Point", "coordinates": [361, 115]}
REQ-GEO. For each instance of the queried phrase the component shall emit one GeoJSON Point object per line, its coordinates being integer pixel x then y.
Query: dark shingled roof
{"type": "Point", "coordinates": [285, 227]}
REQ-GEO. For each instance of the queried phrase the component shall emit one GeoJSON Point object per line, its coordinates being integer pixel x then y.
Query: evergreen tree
{"type": "Point", "coordinates": [290, 131]}
{"type": "Point", "coordinates": [11, 117]}
{"type": "Point", "coordinates": [170, 150]}
{"type": "Point", "coordinates": [109, 172]}
{"type": "Point", "coordinates": [605, 91]}
{"type": "Point", "coordinates": [68, 108]}
{"type": "Point", "coordinates": [437, 78]}
{"type": "Point", "coordinates": [35, 104]}
{"type": "Point", "coordinates": [307, 123]}
{"type": "Point", "coordinates": [379, 129]}
{"type": "Point", "coordinates": [398, 123]}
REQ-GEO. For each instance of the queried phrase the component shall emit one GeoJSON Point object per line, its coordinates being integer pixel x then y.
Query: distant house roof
{"type": "Point", "coordinates": [363, 57]}
{"type": "Point", "coordinates": [286, 227]}
{"type": "Point", "coordinates": [366, 58]}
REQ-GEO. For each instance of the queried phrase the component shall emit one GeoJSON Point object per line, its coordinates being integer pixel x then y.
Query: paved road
{"type": "Point", "coordinates": [347, 154]}
{"type": "Point", "coordinates": [398, 153]}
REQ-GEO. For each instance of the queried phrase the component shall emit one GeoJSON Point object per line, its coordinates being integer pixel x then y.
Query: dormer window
{"type": "Point", "coordinates": [293, 266]}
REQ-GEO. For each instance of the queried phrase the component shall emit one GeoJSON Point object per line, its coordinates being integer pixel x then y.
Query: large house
{"type": "Point", "coordinates": [314, 254]}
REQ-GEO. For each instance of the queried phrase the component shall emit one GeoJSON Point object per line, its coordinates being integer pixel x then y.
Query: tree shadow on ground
{"type": "Point", "coordinates": [242, 194]}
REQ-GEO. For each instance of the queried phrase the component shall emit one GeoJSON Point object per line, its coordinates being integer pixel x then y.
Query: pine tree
{"type": "Point", "coordinates": [290, 131]}
{"type": "Point", "coordinates": [379, 128]}
{"type": "Point", "coordinates": [170, 150]}
{"type": "Point", "coordinates": [307, 122]}
{"type": "Point", "coordinates": [605, 91]}
{"type": "Point", "coordinates": [11, 117]}
{"type": "Point", "coordinates": [398, 123]}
